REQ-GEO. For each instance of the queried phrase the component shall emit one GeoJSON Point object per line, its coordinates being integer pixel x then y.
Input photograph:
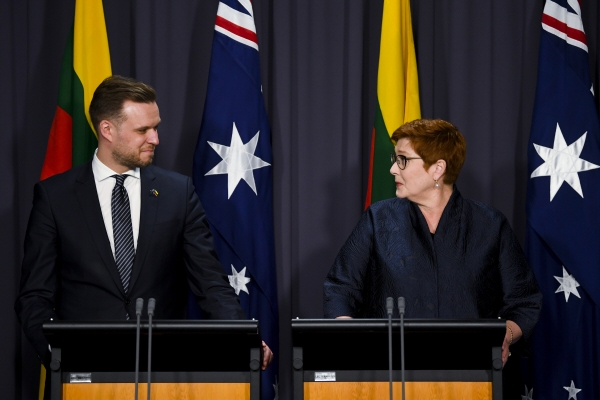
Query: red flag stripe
{"type": "Point", "coordinates": [372, 160]}
{"type": "Point", "coordinates": [60, 145]}
{"type": "Point", "coordinates": [236, 29]}
{"type": "Point", "coordinates": [561, 26]}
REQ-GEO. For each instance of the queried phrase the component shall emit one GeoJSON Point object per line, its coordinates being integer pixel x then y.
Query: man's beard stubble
{"type": "Point", "coordinates": [131, 161]}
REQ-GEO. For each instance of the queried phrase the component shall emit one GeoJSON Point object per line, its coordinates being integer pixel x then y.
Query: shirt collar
{"type": "Point", "coordinates": [102, 172]}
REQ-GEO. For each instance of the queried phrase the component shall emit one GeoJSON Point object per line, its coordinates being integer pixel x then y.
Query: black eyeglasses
{"type": "Point", "coordinates": [402, 160]}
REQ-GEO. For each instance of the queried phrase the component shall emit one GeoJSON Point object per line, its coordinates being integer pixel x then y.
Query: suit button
{"type": "Point", "coordinates": [127, 302]}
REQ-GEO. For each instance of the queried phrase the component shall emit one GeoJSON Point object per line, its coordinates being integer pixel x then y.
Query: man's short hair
{"type": "Point", "coordinates": [110, 95]}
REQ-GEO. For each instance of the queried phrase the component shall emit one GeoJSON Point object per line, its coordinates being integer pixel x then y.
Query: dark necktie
{"type": "Point", "coordinates": [122, 230]}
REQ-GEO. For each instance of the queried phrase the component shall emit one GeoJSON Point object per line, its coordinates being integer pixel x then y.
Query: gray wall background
{"type": "Point", "coordinates": [477, 62]}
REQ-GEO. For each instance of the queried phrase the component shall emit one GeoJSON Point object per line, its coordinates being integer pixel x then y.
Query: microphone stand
{"type": "Point", "coordinates": [151, 305]}
{"type": "Point", "coordinates": [401, 308]}
{"type": "Point", "coordinates": [139, 305]}
{"type": "Point", "coordinates": [390, 309]}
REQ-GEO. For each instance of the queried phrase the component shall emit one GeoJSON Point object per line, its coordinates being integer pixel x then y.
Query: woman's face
{"type": "Point", "coordinates": [413, 182]}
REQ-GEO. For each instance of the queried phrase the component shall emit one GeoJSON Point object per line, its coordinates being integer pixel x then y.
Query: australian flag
{"type": "Point", "coordinates": [233, 172]}
{"type": "Point", "coordinates": [563, 211]}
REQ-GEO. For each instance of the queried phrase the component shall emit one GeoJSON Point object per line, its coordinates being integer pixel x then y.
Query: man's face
{"type": "Point", "coordinates": [137, 135]}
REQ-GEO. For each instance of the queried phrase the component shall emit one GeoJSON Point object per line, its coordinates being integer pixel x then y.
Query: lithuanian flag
{"type": "Point", "coordinates": [85, 64]}
{"type": "Point", "coordinates": [397, 94]}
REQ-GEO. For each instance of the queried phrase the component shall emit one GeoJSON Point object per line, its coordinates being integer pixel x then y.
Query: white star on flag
{"type": "Point", "coordinates": [572, 391]}
{"type": "Point", "coordinates": [568, 285]}
{"type": "Point", "coordinates": [238, 161]}
{"type": "Point", "coordinates": [528, 394]}
{"type": "Point", "coordinates": [238, 280]}
{"type": "Point", "coordinates": [276, 389]}
{"type": "Point", "coordinates": [562, 163]}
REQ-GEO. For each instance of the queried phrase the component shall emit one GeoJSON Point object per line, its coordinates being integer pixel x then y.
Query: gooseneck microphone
{"type": "Point", "coordinates": [389, 305]}
{"type": "Point", "coordinates": [139, 305]}
{"type": "Point", "coordinates": [151, 305]}
{"type": "Point", "coordinates": [401, 308]}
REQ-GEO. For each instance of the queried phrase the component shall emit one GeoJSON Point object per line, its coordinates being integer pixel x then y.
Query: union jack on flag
{"type": "Point", "coordinates": [233, 172]}
{"type": "Point", "coordinates": [563, 199]}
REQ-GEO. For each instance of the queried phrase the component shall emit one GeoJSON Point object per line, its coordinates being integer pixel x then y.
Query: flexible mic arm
{"type": "Point", "coordinates": [401, 308]}
{"type": "Point", "coordinates": [389, 305]}
{"type": "Point", "coordinates": [151, 305]}
{"type": "Point", "coordinates": [139, 305]}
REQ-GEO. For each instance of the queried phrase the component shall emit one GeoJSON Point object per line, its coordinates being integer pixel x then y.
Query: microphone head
{"type": "Point", "coordinates": [389, 305]}
{"type": "Point", "coordinates": [139, 305]}
{"type": "Point", "coordinates": [151, 305]}
{"type": "Point", "coordinates": [401, 304]}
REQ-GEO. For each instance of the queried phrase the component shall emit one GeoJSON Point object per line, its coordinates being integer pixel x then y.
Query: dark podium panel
{"type": "Point", "coordinates": [444, 359]}
{"type": "Point", "coordinates": [190, 359]}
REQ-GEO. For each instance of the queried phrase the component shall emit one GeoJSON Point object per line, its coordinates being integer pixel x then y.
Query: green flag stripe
{"type": "Point", "coordinates": [71, 100]}
{"type": "Point", "coordinates": [383, 182]}
{"type": "Point", "coordinates": [84, 139]}
{"type": "Point", "coordinates": [66, 76]}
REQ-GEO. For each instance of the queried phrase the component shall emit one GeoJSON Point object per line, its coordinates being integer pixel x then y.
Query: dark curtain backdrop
{"type": "Point", "coordinates": [477, 63]}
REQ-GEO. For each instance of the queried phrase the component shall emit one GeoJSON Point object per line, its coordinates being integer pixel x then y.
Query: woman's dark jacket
{"type": "Point", "coordinates": [472, 267]}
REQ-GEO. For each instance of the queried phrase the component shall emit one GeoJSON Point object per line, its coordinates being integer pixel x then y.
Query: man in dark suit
{"type": "Point", "coordinates": [117, 228]}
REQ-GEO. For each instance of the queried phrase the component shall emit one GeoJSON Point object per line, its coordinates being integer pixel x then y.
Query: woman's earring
{"type": "Point", "coordinates": [437, 185]}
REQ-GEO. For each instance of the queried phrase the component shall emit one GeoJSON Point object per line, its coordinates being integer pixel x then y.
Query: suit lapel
{"type": "Point", "coordinates": [149, 205]}
{"type": "Point", "coordinates": [87, 196]}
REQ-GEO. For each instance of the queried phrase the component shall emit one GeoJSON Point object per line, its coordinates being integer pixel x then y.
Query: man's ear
{"type": "Point", "coordinates": [106, 130]}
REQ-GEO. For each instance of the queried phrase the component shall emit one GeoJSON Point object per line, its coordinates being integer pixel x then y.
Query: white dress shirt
{"type": "Point", "coordinates": [105, 184]}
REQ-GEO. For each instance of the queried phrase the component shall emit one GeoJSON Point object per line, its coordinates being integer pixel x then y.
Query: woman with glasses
{"type": "Point", "coordinates": [448, 256]}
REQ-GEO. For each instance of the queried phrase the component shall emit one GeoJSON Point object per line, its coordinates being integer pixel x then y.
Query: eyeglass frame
{"type": "Point", "coordinates": [395, 158]}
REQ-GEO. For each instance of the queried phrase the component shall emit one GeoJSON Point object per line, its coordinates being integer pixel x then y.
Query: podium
{"type": "Point", "coordinates": [444, 359]}
{"type": "Point", "coordinates": [190, 359]}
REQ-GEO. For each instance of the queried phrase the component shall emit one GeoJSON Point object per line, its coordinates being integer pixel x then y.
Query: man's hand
{"type": "Point", "coordinates": [267, 356]}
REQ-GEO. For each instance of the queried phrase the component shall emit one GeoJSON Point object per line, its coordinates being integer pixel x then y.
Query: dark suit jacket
{"type": "Point", "coordinates": [473, 267]}
{"type": "Point", "coordinates": [69, 271]}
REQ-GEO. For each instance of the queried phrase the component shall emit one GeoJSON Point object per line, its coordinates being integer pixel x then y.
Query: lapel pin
{"type": "Point", "coordinates": [154, 192]}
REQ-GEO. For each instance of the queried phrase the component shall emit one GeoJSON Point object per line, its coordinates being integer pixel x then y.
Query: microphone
{"type": "Point", "coordinates": [139, 305]}
{"type": "Point", "coordinates": [401, 308]}
{"type": "Point", "coordinates": [151, 305]}
{"type": "Point", "coordinates": [389, 305]}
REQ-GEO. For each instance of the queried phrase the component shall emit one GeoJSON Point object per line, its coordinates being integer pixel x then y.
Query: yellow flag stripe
{"type": "Point", "coordinates": [91, 55]}
{"type": "Point", "coordinates": [397, 81]}
{"type": "Point", "coordinates": [42, 383]}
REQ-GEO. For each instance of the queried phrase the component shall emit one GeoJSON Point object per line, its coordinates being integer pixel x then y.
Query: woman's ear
{"type": "Point", "coordinates": [439, 169]}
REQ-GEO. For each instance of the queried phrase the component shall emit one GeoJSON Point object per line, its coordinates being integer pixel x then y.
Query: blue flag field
{"type": "Point", "coordinates": [563, 211]}
{"type": "Point", "coordinates": [233, 172]}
